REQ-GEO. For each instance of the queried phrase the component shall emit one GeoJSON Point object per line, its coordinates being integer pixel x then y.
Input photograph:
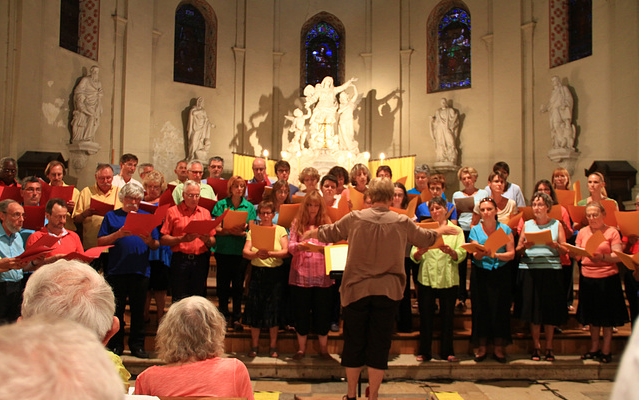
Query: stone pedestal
{"type": "Point", "coordinates": [565, 158]}
{"type": "Point", "coordinates": [80, 152]}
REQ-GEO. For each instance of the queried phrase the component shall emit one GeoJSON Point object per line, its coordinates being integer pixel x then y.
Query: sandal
{"type": "Point", "coordinates": [605, 358]}
{"type": "Point", "coordinates": [298, 356]}
{"type": "Point", "coordinates": [591, 355]}
{"type": "Point", "coordinates": [536, 356]}
{"type": "Point", "coordinates": [452, 359]}
{"type": "Point", "coordinates": [253, 352]}
{"type": "Point", "coordinates": [549, 355]}
{"type": "Point", "coordinates": [422, 358]}
{"type": "Point", "coordinates": [273, 352]}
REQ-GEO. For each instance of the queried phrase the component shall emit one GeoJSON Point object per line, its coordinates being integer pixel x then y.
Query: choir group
{"type": "Point", "coordinates": [154, 237]}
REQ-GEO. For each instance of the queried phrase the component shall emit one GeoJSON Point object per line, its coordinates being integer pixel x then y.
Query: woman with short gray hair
{"type": "Point", "coordinates": [190, 340]}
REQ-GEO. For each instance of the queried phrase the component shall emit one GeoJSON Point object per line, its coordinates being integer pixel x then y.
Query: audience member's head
{"type": "Point", "coordinates": [72, 290]}
{"type": "Point", "coordinates": [192, 330]}
{"type": "Point", "coordinates": [55, 359]}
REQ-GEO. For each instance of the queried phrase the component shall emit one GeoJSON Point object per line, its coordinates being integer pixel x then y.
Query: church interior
{"type": "Point", "coordinates": [254, 70]}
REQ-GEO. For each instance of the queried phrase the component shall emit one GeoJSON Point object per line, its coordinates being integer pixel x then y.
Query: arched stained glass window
{"type": "Point", "coordinates": [454, 50]}
{"type": "Point", "coordinates": [195, 44]}
{"type": "Point", "coordinates": [449, 61]}
{"type": "Point", "coordinates": [322, 52]}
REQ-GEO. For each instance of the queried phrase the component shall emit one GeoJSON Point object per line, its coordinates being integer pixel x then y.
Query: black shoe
{"type": "Point", "coordinates": [480, 358]}
{"type": "Point", "coordinates": [238, 327]}
{"type": "Point", "coordinates": [117, 350]}
{"type": "Point", "coordinates": [498, 359]}
{"type": "Point", "coordinates": [139, 352]}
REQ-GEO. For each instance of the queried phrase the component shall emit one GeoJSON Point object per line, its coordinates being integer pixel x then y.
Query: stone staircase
{"type": "Point", "coordinates": [568, 346]}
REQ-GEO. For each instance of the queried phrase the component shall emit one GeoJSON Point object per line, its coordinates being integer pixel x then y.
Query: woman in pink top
{"type": "Point", "coordinates": [311, 287]}
{"type": "Point", "coordinates": [190, 340]}
{"type": "Point", "coordinates": [601, 300]}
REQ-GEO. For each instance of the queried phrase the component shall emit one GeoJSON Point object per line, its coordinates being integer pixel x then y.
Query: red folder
{"type": "Point", "coordinates": [34, 217]}
{"type": "Point", "coordinates": [219, 186]}
{"type": "Point", "coordinates": [255, 191]}
{"type": "Point", "coordinates": [100, 207]}
{"type": "Point", "coordinates": [10, 192]}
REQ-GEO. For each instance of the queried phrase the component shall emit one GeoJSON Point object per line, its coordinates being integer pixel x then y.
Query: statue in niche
{"type": "Point", "coordinates": [346, 132]}
{"type": "Point", "coordinates": [562, 131]}
{"type": "Point", "coordinates": [87, 107]}
{"type": "Point", "coordinates": [444, 127]}
{"type": "Point", "coordinates": [298, 127]}
{"type": "Point", "coordinates": [198, 132]}
{"type": "Point", "coordinates": [323, 118]}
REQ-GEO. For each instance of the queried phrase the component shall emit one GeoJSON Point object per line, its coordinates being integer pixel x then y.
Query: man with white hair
{"type": "Point", "coordinates": [59, 360]}
{"type": "Point", "coordinates": [195, 173]}
{"type": "Point", "coordinates": [75, 291]}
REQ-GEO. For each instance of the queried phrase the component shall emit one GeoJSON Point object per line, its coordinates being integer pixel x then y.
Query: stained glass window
{"type": "Point", "coordinates": [580, 28]}
{"type": "Point", "coordinates": [322, 46]}
{"type": "Point", "coordinates": [189, 45]}
{"type": "Point", "coordinates": [79, 23]}
{"type": "Point", "coordinates": [454, 50]}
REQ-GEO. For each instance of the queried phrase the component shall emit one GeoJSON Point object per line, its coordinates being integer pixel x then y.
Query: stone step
{"type": "Point", "coordinates": [405, 366]}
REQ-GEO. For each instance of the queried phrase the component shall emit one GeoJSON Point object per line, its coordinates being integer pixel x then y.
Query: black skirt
{"type": "Point", "coordinates": [544, 296]}
{"type": "Point", "coordinates": [264, 297]}
{"type": "Point", "coordinates": [601, 302]}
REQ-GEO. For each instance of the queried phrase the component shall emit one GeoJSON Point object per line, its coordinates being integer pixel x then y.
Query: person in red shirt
{"type": "Point", "coordinates": [190, 251]}
{"type": "Point", "coordinates": [68, 241]}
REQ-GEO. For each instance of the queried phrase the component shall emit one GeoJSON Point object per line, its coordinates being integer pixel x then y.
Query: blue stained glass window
{"type": "Point", "coordinates": [189, 45]}
{"type": "Point", "coordinates": [454, 50]}
{"type": "Point", "coordinates": [322, 44]}
{"type": "Point", "coordinates": [580, 29]}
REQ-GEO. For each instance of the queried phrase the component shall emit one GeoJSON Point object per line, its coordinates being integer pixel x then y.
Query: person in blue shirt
{"type": "Point", "coordinates": [436, 187]}
{"type": "Point", "coordinates": [128, 269]}
{"type": "Point", "coordinates": [491, 286]}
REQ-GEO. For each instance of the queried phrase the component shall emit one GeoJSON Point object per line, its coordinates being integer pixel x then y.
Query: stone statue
{"type": "Point", "coordinates": [562, 132]}
{"type": "Point", "coordinates": [326, 106]}
{"type": "Point", "coordinates": [298, 127]}
{"type": "Point", "coordinates": [87, 107]}
{"type": "Point", "coordinates": [444, 127]}
{"type": "Point", "coordinates": [345, 120]}
{"type": "Point", "coordinates": [198, 132]}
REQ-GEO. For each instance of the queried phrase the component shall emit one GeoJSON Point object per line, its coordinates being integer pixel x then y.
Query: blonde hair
{"type": "Point", "coordinates": [598, 174]}
{"type": "Point", "coordinates": [192, 330]}
{"type": "Point", "coordinates": [153, 177]}
{"type": "Point", "coordinates": [468, 170]}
